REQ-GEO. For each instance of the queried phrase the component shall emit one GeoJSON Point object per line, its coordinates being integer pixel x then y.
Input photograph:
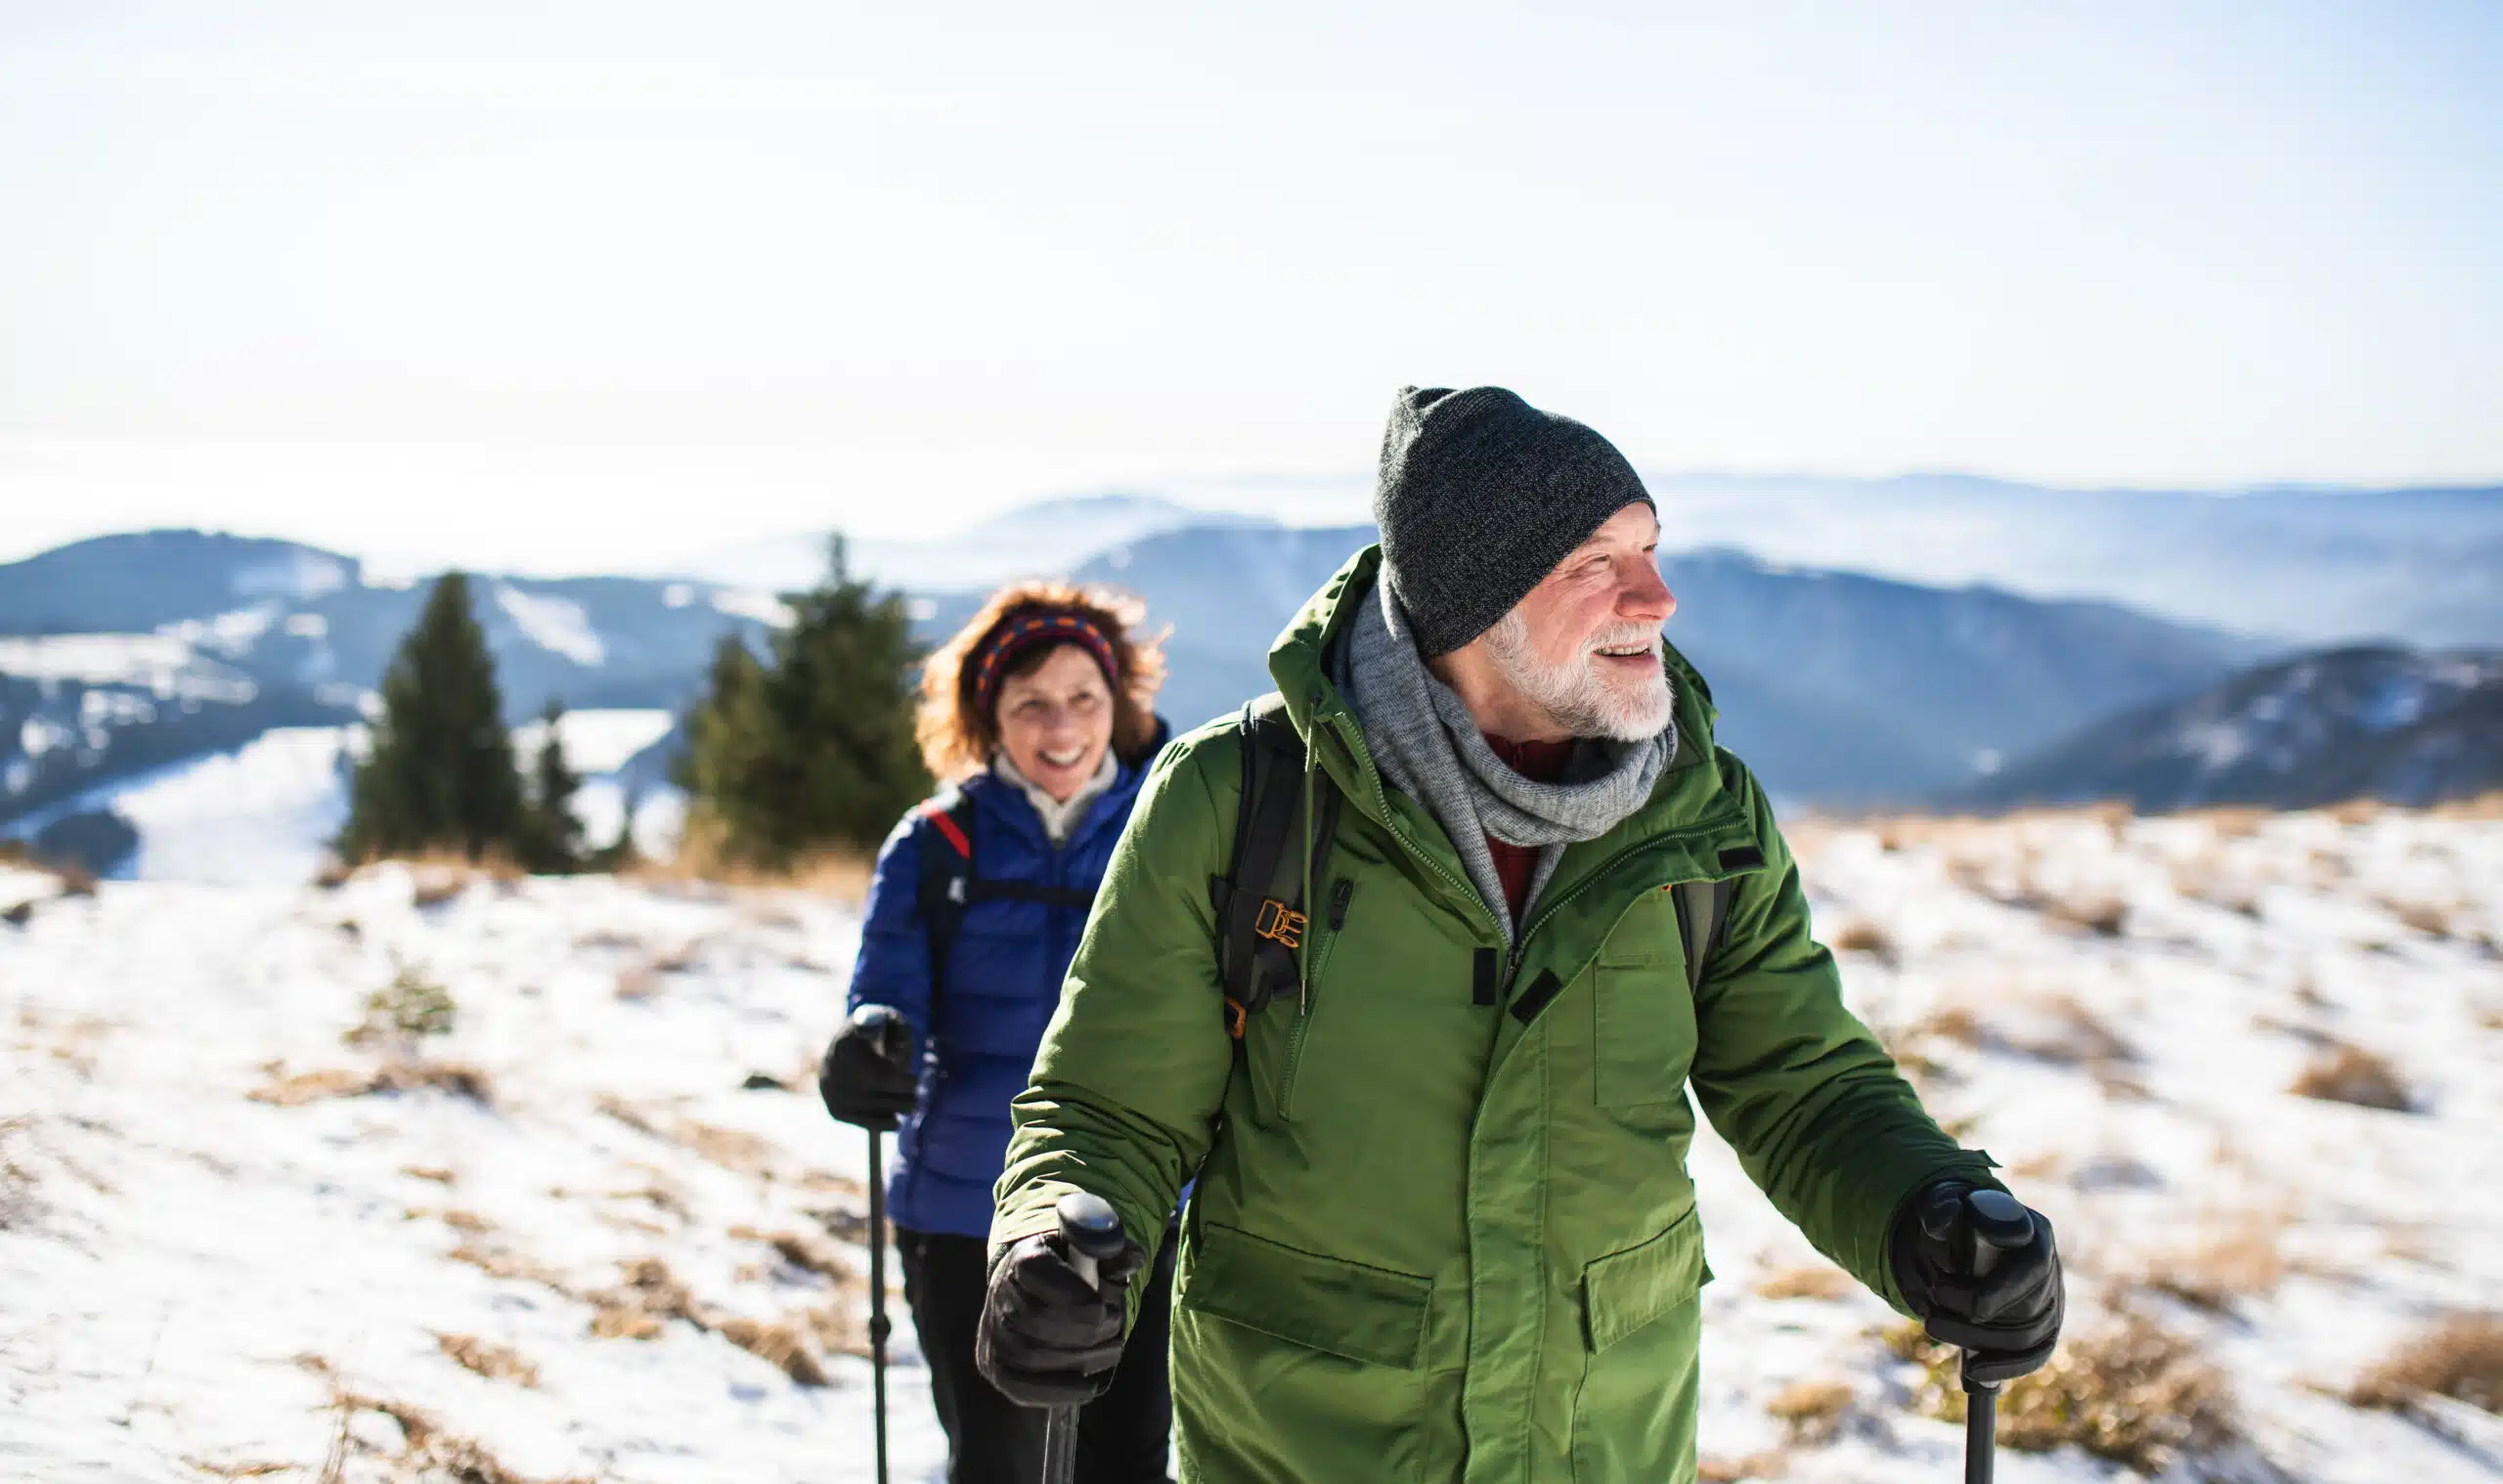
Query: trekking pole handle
{"type": "Point", "coordinates": [885, 1028]}
{"type": "Point", "coordinates": [1091, 1230]}
{"type": "Point", "coordinates": [2000, 1224]}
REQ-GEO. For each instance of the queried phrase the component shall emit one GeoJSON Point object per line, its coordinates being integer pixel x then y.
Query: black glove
{"type": "Point", "coordinates": [865, 1077]}
{"type": "Point", "coordinates": [1047, 1339]}
{"type": "Point", "coordinates": [2008, 1321]}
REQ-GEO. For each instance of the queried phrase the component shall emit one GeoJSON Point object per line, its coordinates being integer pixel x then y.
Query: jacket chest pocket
{"type": "Point", "coordinates": [1642, 1013]}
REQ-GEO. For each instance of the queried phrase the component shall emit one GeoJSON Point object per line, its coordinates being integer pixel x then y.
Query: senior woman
{"type": "Point", "coordinates": [1037, 716]}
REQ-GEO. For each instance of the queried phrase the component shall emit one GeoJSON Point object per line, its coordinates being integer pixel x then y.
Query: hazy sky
{"type": "Point", "coordinates": [574, 287]}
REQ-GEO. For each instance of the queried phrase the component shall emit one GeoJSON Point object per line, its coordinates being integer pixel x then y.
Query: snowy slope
{"type": "Point", "coordinates": [2113, 1009]}
{"type": "Point", "coordinates": [266, 810]}
{"type": "Point", "coordinates": [2368, 722]}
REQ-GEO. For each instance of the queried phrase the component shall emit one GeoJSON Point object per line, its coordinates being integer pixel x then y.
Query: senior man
{"type": "Point", "coordinates": [1443, 1228]}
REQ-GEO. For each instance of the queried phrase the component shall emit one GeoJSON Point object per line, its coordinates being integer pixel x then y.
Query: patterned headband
{"type": "Point", "coordinates": [1023, 631]}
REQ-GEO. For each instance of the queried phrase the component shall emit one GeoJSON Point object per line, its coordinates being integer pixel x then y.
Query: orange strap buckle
{"type": "Point", "coordinates": [1281, 922]}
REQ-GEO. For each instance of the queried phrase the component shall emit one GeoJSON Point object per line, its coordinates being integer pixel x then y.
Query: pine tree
{"type": "Point", "coordinates": [439, 773]}
{"type": "Point", "coordinates": [815, 750]}
{"type": "Point", "coordinates": [551, 837]}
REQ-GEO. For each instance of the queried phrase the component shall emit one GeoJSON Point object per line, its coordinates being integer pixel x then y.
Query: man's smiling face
{"type": "Point", "coordinates": [1584, 645]}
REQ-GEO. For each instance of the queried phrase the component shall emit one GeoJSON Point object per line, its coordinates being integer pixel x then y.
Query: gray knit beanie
{"type": "Point", "coordinates": [1480, 495]}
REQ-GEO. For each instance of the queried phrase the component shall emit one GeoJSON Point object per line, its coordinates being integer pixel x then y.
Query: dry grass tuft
{"type": "Point", "coordinates": [426, 1450]}
{"type": "Point", "coordinates": [2347, 1074]}
{"type": "Point", "coordinates": [2246, 1259]}
{"type": "Point", "coordinates": [733, 1149]}
{"type": "Point", "coordinates": [810, 1254]}
{"type": "Point", "coordinates": [312, 1087]}
{"type": "Point", "coordinates": [1747, 1470]}
{"type": "Point", "coordinates": [19, 1203]}
{"type": "Point", "coordinates": [1953, 1022]}
{"type": "Point", "coordinates": [458, 1079]}
{"type": "Point", "coordinates": [434, 1173]}
{"type": "Point", "coordinates": [777, 1344]}
{"type": "Point", "coordinates": [497, 1363]}
{"type": "Point", "coordinates": [838, 1330]}
{"type": "Point", "coordinates": [838, 875]}
{"type": "Point", "coordinates": [1812, 1411]}
{"type": "Point", "coordinates": [2461, 1357]}
{"type": "Point", "coordinates": [2053, 1028]}
{"type": "Point", "coordinates": [2103, 916]}
{"type": "Point", "coordinates": [651, 1295]}
{"type": "Point", "coordinates": [2356, 811]}
{"type": "Point", "coordinates": [1821, 1282]}
{"type": "Point", "coordinates": [2074, 1035]}
{"type": "Point", "coordinates": [499, 1261]}
{"type": "Point", "coordinates": [2433, 919]}
{"type": "Point", "coordinates": [1867, 935]}
{"type": "Point", "coordinates": [2234, 821]}
{"type": "Point", "coordinates": [2134, 1393]}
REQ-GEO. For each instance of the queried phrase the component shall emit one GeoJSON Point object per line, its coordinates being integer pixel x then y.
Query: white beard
{"type": "Point", "coordinates": [1575, 694]}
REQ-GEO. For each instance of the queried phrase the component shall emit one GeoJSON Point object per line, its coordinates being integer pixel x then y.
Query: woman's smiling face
{"type": "Point", "coordinates": [1055, 719]}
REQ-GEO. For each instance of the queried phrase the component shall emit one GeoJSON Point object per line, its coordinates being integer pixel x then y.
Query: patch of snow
{"type": "Point", "coordinates": [260, 814]}
{"type": "Point", "coordinates": [554, 623]}
{"type": "Point", "coordinates": [2216, 745]}
{"type": "Point", "coordinates": [95, 659]}
{"type": "Point", "coordinates": [232, 634]}
{"type": "Point", "coordinates": [301, 574]}
{"type": "Point", "coordinates": [38, 735]}
{"type": "Point", "coordinates": [2399, 702]}
{"type": "Point", "coordinates": [597, 741]}
{"type": "Point", "coordinates": [749, 603]}
{"type": "Point", "coordinates": [163, 663]}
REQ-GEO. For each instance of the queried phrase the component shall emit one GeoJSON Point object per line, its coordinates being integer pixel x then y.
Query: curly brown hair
{"type": "Point", "coordinates": [958, 734]}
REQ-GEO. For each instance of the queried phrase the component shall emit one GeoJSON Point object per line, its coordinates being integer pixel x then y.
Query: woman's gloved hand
{"type": "Point", "coordinates": [866, 1076]}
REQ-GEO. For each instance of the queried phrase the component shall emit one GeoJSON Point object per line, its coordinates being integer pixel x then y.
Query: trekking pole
{"type": "Point", "coordinates": [2000, 1224]}
{"type": "Point", "coordinates": [889, 1034]}
{"type": "Point", "coordinates": [1092, 1231]}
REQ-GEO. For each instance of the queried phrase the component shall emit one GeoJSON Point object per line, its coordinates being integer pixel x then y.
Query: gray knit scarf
{"type": "Point", "coordinates": [1427, 746]}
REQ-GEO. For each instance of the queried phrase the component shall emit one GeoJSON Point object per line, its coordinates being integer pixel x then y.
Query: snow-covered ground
{"type": "Point", "coordinates": [266, 811]}
{"type": "Point", "coordinates": [196, 1281]}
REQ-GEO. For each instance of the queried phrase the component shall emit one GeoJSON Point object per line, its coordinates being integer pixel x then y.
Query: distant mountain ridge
{"type": "Point", "coordinates": [2367, 722]}
{"type": "Point", "coordinates": [128, 652]}
{"type": "Point", "coordinates": [1836, 682]}
{"type": "Point", "coordinates": [2416, 565]}
{"type": "Point", "coordinates": [1832, 684]}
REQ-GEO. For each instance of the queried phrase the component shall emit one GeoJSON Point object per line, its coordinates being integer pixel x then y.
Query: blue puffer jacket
{"type": "Point", "coordinates": [1003, 983]}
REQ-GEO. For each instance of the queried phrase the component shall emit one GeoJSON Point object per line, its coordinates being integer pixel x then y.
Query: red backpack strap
{"type": "Point", "coordinates": [942, 814]}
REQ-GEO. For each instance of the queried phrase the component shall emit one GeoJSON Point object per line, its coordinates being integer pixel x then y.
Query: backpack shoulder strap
{"type": "Point", "coordinates": [1703, 918]}
{"type": "Point", "coordinates": [947, 829]}
{"type": "Point", "coordinates": [1259, 901]}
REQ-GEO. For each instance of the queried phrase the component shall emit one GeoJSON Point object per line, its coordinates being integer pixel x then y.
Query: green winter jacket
{"type": "Point", "coordinates": [1434, 1240]}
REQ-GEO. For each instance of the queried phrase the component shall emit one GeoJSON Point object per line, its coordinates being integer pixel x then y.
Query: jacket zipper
{"type": "Point", "coordinates": [1381, 803]}
{"type": "Point", "coordinates": [1548, 910]}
